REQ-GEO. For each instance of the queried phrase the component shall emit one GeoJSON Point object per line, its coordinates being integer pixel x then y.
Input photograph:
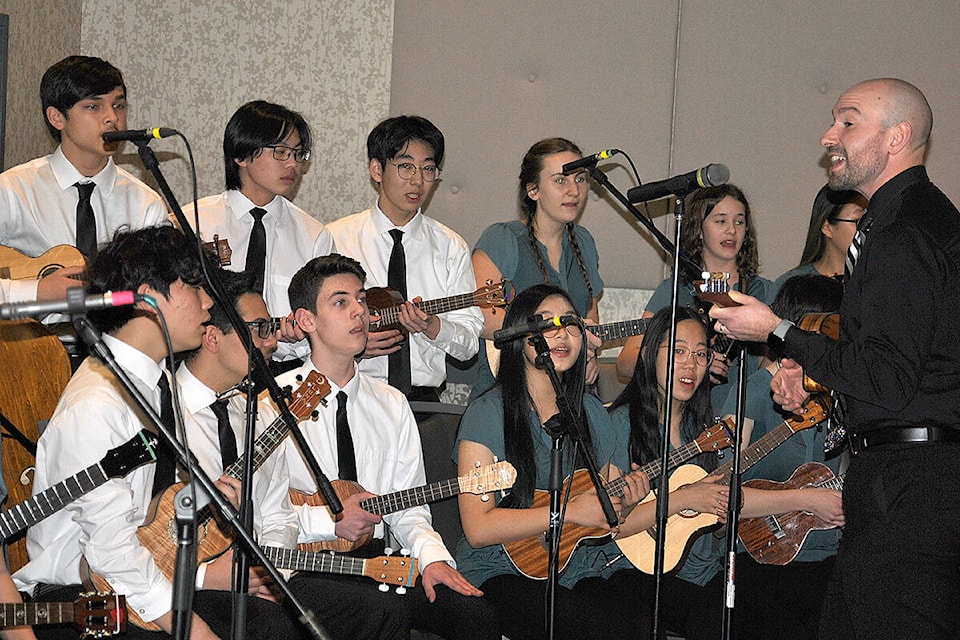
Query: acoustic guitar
{"type": "Point", "coordinates": [16, 265]}
{"type": "Point", "coordinates": [777, 539]}
{"type": "Point", "coordinates": [531, 555]}
{"type": "Point", "coordinates": [96, 615]}
{"type": "Point", "coordinates": [385, 302]}
{"type": "Point", "coordinates": [158, 534]}
{"type": "Point", "coordinates": [482, 480]}
{"type": "Point", "coordinates": [683, 527]}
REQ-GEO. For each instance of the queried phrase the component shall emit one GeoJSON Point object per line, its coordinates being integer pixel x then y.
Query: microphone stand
{"type": "Point", "coordinates": [567, 423]}
{"type": "Point", "coordinates": [241, 562]}
{"type": "Point", "coordinates": [261, 376]}
{"type": "Point", "coordinates": [663, 494]}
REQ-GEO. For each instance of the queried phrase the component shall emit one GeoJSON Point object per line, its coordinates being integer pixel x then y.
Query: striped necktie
{"type": "Point", "coordinates": [856, 245]}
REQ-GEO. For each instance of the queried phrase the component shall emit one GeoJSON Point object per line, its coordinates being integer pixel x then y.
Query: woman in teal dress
{"type": "Point", "coordinates": [507, 423]}
{"type": "Point", "coordinates": [547, 246]}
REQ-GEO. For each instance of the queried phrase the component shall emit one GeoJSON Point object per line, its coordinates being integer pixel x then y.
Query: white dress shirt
{"type": "Point", "coordinates": [274, 520]}
{"type": "Point", "coordinates": [93, 416]}
{"type": "Point", "coordinates": [438, 266]}
{"type": "Point", "coordinates": [386, 444]}
{"type": "Point", "coordinates": [293, 238]}
{"type": "Point", "coordinates": [38, 208]}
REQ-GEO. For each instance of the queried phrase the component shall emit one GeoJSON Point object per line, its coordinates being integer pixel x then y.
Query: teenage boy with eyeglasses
{"type": "Point", "coordinates": [404, 154]}
{"type": "Point", "coordinates": [265, 150]}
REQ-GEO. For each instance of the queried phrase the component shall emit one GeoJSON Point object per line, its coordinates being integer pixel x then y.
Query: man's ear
{"type": "Point", "coordinates": [147, 290]}
{"type": "Point", "coordinates": [56, 118]}
{"type": "Point", "coordinates": [901, 134]}
{"type": "Point", "coordinates": [305, 320]}
{"type": "Point", "coordinates": [376, 170]}
{"type": "Point", "coordinates": [212, 338]}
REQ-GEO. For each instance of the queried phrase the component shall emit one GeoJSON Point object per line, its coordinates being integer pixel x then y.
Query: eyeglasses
{"type": "Point", "coordinates": [282, 153]}
{"type": "Point", "coordinates": [702, 357]}
{"type": "Point", "coordinates": [846, 220]}
{"type": "Point", "coordinates": [406, 171]}
{"type": "Point", "coordinates": [573, 330]}
{"type": "Point", "coordinates": [265, 327]}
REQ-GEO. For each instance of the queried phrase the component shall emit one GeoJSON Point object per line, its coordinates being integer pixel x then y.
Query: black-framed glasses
{"type": "Point", "coordinates": [264, 327]}
{"type": "Point", "coordinates": [406, 171]}
{"type": "Point", "coordinates": [282, 153]}
{"type": "Point", "coordinates": [702, 357]}
{"type": "Point", "coordinates": [846, 220]}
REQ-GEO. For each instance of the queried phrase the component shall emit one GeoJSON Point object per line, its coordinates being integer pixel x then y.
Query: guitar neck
{"type": "Point", "coordinates": [677, 457]}
{"type": "Point", "coordinates": [399, 500]}
{"type": "Point", "coordinates": [323, 562]}
{"type": "Point", "coordinates": [50, 500]}
{"type": "Point", "coordinates": [35, 613]}
{"type": "Point", "coordinates": [616, 330]}
{"type": "Point", "coordinates": [755, 452]}
{"type": "Point", "coordinates": [391, 315]}
{"type": "Point", "coordinates": [835, 483]}
{"type": "Point", "coordinates": [265, 445]}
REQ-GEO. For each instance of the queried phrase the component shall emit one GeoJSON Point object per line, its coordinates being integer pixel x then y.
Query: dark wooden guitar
{"type": "Point", "coordinates": [530, 556]}
{"type": "Point", "coordinates": [482, 480]}
{"type": "Point", "coordinates": [683, 527]}
{"type": "Point", "coordinates": [829, 325]}
{"type": "Point", "coordinates": [93, 615]}
{"type": "Point", "coordinates": [385, 302]}
{"type": "Point", "coordinates": [158, 534]}
{"type": "Point", "coordinates": [777, 539]}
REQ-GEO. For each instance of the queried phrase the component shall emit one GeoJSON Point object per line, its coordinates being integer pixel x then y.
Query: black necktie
{"type": "Point", "coordinates": [86, 222]}
{"type": "Point", "coordinates": [257, 249]}
{"type": "Point", "coordinates": [398, 363]}
{"type": "Point", "coordinates": [228, 439]}
{"type": "Point", "coordinates": [165, 473]}
{"type": "Point", "coordinates": [345, 455]}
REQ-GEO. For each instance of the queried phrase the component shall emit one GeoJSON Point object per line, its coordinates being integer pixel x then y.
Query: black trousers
{"type": "Point", "coordinates": [896, 570]}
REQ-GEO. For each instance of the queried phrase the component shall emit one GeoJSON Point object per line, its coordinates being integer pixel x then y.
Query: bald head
{"type": "Point", "coordinates": [901, 101]}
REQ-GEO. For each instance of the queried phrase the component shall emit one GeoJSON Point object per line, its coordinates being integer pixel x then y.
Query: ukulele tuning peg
{"type": "Point", "coordinates": [299, 378]}
{"type": "Point", "coordinates": [401, 590]}
{"type": "Point", "coordinates": [388, 551]}
{"type": "Point", "coordinates": [383, 587]}
{"type": "Point", "coordinates": [405, 552]}
{"type": "Point", "coordinates": [314, 415]}
{"type": "Point", "coordinates": [485, 497]}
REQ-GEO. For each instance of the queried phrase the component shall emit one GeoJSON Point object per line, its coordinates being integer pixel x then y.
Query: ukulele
{"type": "Point", "coordinates": [829, 325]}
{"type": "Point", "coordinates": [777, 539]}
{"type": "Point", "coordinates": [16, 265]}
{"type": "Point", "coordinates": [684, 526]}
{"type": "Point", "coordinates": [385, 302]}
{"type": "Point", "coordinates": [482, 480]}
{"type": "Point", "coordinates": [97, 615]}
{"type": "Point", "coordinates": [399, 571]}
{"type": "Point", "coordinates": [220, 249]}
{"type": "Point", "coordinates": [158, 534]}
{"type": "Point", "coordinates": [530, 556]}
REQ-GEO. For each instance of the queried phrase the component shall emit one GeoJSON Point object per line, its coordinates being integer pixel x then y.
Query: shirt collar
{"type": "Point", "coordinates": [350, 388]}
{"type": "Point", "coordinates": [67, 175]}
{"type": "Point", "coordinates": [879, 207]}
{"type": "Point", "coordinates": [240, 205]}
{"type": "Point", "coordinates": [382, 224]}
{"type": "Point", "coordinates": [135, 361]}
{"type": "Point", "coordinates": [194, 395]}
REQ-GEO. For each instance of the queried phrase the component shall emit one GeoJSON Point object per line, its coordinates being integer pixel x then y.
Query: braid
{"type": "Point", "coordinates": [535, 245]}
{"type": "Point", "coordinates": [580, 263]}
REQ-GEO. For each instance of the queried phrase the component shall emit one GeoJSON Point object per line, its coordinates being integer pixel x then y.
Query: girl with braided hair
{"type": "Point", "coordinates": [546, 247]}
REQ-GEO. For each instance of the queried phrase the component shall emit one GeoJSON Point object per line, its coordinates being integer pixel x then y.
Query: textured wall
{"type": "Point", "coordinates": [41, 32]}
{"type": "Point", "coordinates": [189, 64]}
{"type": "Point", "coordinates": [755, 82]}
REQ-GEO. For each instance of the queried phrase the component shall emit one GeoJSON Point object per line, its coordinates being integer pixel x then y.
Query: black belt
{"type": "Point", "coordinates": [902, 435]}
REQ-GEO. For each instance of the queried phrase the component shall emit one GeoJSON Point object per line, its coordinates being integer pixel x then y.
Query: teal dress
{"type": "Point", "coordinates": [483, 423]}
{"type": "Point", "coordinates": [506, 244]}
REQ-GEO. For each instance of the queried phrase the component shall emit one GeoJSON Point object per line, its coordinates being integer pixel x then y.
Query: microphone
{"type": "Point", "coordinates": [712, 175]}
{"type": "Point", "coordinates": [535, 326]}
{"type": "Point", "coordinates": [77, 303]}
{"type": "Point", "coordinates": [588, 161]}
{"type": "Point", "coordinates": [138, 135]}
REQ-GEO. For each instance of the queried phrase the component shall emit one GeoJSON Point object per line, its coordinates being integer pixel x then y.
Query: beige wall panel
{"type": "Point", "coordinates": [756, 82]}
{"type": "Point", "coordinates": [190, 64]}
